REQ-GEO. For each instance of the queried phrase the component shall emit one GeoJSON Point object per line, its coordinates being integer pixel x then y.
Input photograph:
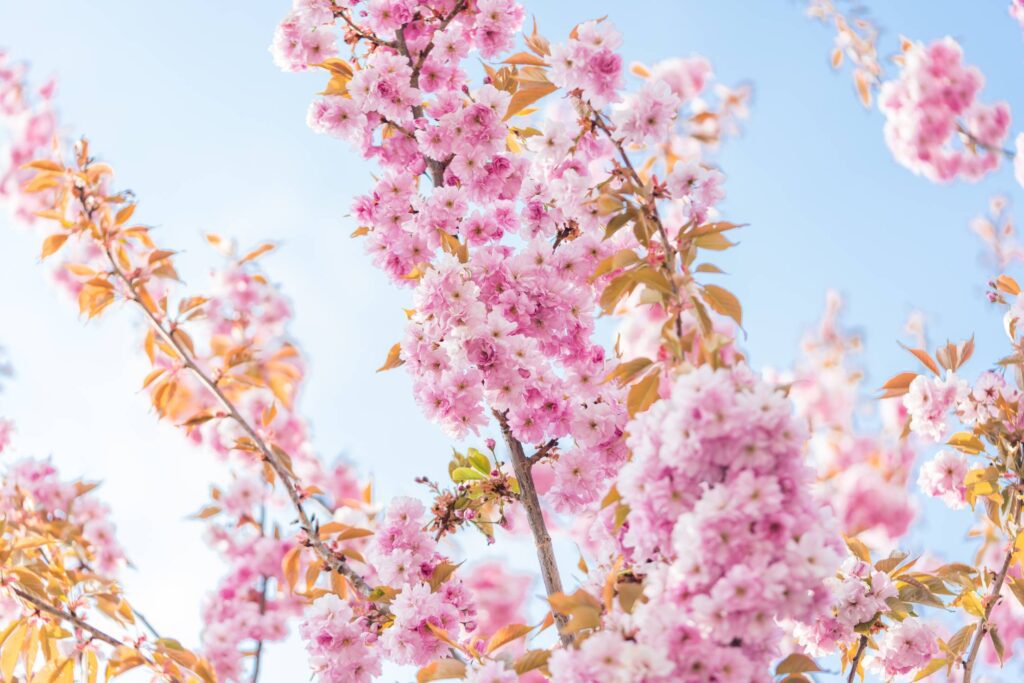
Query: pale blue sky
{"type": "Point", "coordinates": [183, 99]}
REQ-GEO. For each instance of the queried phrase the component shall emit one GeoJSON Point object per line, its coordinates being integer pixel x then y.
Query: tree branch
{"type": "Point", "coordinates": [651, 209]}
{"type": "Point", "coordinates": [997, 587]}
{"type": "Point", "coordinates": [332, 560]}
{"type": "Point", "coordinates": [44, 606]}
{"type": "Point", "coordinates": [520, 463]}
{"type": "Point", "coordinates": [535, 516]}
{"type": "Point", "coordinates": [856, 658]}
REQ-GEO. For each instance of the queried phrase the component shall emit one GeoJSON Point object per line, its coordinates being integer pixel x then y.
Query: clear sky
{"type": "Point", "coordinates": [183, 99]}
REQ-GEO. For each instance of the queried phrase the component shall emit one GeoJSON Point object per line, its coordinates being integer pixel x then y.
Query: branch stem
{"type": "Point", "coordinates": [535, 516]}
{"type": "Point", "coordinates": [984, 625]}
{"type": "Point", "coordinates": [333, 561]}
{"type": "Point", "coordinates": [44, 606]}
{"type": "Point", "coordinates": [861, 647]}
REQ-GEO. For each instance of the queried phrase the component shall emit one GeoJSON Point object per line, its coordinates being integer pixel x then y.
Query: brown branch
{"type": "Point", "coordinates": [856, 658]}
{"type": "Point", "coordinates": [542, 452]}
{"type": "Point", "coordinates": [263, 600]}
{"type": "Point", "coordinates": [997, 586]}
{"type": "Point", "coordinates": [356, 29]}
{"type": "Point", "coordinates": [44, 606]}
{"type": "Point", "coordinates": [332, 560]}
{"type": "Point", "coordinates": [651, 210]}
{"type": "Point", "coordinates": [535, 516]}
{"type": "Point", "coordinates": [520, 463]}
{"type": "Point", "coordinates": [459, 6]}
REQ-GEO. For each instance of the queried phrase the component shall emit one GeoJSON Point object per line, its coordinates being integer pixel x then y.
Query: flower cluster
{"type": "Point", "coordinates": [934, 100]}
{"type": "Point", "coordinates": [717, 503]}
{"type": "Point", "coordinates": [420, 599]}
{"type": "Point", "coordinates": [305, 37]}
{"type": "Point", "coordinates": [929, 402]}
{"type": "Point", "coordinates": [865, 473]}
{"type": "Point", "coordinates": [859, 596]}
{"type": "Point", "coordinates": [943, 477]}
{"type": "Point", "coordinates": [906, 647]}
{"type": "Point", "coordinates": [34, 488]}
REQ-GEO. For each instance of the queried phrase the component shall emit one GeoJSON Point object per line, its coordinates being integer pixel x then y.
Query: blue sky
{"type": "Point", "coordinates": [183, 99]}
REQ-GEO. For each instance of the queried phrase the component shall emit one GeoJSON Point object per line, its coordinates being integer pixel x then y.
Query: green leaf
{"type": "Point", "coordinates": [460, 474]}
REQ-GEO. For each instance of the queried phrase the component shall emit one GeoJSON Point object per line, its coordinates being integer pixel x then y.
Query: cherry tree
{"type": "Point", "coordinates": [530, 195]}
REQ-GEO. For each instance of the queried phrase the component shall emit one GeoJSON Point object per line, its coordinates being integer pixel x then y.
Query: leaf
{"type": "Point", "coordinates": [857, 547]}
{"type": "Point", "coordinates": [531, 660]}
{"type": "Point", "coordinates": [526, 94]}
{"type": "Point", "coordinates": [714, 241]}
{"type": "Point", "coordinates": [461, 474]}
{"type": "Point", "coordinates": [628, 371]}
{"type": "Point", "coordinates": [290, 566]}
{"type": "Point", "coordinates": [997, 642]}
{"type": "Point", "coordinates": [619, 287]}
{"type": "Point", "coordinates": [53, 243]}
{"type": "Point", "coordinates": [394, 358]}
{"type": "Point", "coordinates": [1017, 587]}
{"type": "Point", "coordinates": [505, 635]}
{"type": "Point", "coordinates": [898, 384]}
{"type": "Point", "coordinates": [256, 253]}
{"type": "Point", "coordinates": [1007, 285]}
{"type": "Point", "coordinates": [967, 443]}
{"type": "Point", "coordinates": [931, 668]}
{"type": "Point", "coordinates": [441, 573]}
{"type": "Point", "coordinates": [957, 645]}
{"type": "Point", "coordinates": [723, 301]}
{"type": "Point", "coordinates": [524, 59]}
{"type": "Point", "coordinates": [124, 214]}
{"type": "Point", "coordinates": [796, 663]}
{"type": "Point", "coordinates": [643, 394]}
{"type": "Point", "coordinates": [441, 669]}
{"type": "Point", "coordinates": [923, 356]}
{"type": "Point", "coordinates": [12, 650]}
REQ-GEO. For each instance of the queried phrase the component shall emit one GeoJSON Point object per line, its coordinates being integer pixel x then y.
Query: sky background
{"type": "Point", "coordinates": [183, 99]}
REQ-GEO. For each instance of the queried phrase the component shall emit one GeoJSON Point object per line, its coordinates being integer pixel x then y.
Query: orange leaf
{"type": "Point", "coordinates": [394, 358]}
{"type": "Point", "coordinates": [54, 242]}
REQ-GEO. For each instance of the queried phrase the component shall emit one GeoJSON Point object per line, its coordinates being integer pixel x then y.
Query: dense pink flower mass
{"type": "Point", "coordinates": [933, 101]}
{"type": "Point", "coordinates": [718, 505]}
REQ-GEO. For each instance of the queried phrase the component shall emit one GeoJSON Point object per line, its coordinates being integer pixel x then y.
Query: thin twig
{"type": "Point", "coordinates": [542, 452]}
{"type": "Point", "coordinates": [263, 600]}
{"type": "Point", "coordinates": [332, 560]}
{"type": "Point", "coordinates": [44, 606]}
{"type": "Point", "coordinates": [856, 658]}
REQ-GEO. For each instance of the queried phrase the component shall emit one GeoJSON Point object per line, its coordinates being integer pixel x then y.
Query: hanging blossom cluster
{"type": "Point", "coordinates": [347, 641]}
{"type": "Point", "coordinates": [721, 523]}
{"type": "Point", "coordinates": [865, 473]}
{"type": "Point", "coordinates": [934, 101]}
{"type": "Point", "coordinates": [862, 595]}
